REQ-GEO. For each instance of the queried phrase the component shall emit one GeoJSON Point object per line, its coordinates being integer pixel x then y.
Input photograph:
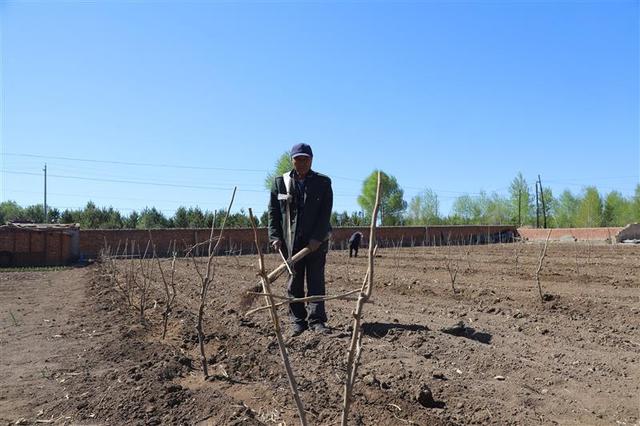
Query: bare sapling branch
{"type": "Point", "coordinates": [353, 356]}
{"type": "Point", "coordinates": [517, 248]}
{"type": "Point", "coordinates": [266, 289]}
{"type": "Point", "coordinates": [396, 259]}
{"type": "Point", "coordinates": [169, 291]}
{"type": "Point", "coordinates": [577, 257]}
{"type": "Point", "coordinates": [144, 284]}
{"type": "Point", "coordinates": [205, 282]}
{"type": "Point", "coordinates": [543, 253]}
{"type": "Point", "coordinates": [452, 265]}
{"type": "Point", "coordinates": [467, 254]}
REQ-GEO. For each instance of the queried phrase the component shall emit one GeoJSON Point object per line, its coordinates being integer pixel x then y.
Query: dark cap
{"type": "Point", "coordinates": [301, 149]}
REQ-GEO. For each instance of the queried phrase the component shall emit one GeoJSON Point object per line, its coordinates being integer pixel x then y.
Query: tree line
{"type": "Point", "coordinates": [93, 217]}
{"type": "Point", "coordinates": [589, 208]}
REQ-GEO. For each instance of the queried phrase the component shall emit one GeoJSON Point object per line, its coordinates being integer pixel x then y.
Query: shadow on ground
{"type": "Point", "coordinates": [381, 329]}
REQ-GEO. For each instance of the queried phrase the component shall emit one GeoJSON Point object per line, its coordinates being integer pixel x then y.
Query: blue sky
{"type": "Point", "coordinates": [454, 96]}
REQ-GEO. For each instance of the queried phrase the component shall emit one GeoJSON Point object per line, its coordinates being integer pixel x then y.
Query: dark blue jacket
{"type": "Point", "coordinates": [311, 221]}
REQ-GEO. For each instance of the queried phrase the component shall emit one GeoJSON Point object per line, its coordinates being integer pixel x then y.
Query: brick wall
{"type": "Point", "coordinates": [570, 234]}
{"type": "Point", "coordinates": [240, 240]}
{"type": "Point", "coordinates": [21, 247]}
{"type": "Point", "coordinates": [236, 240]}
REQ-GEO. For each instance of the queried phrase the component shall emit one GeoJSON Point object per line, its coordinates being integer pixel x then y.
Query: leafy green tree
{"type": "Point", "coordinates": [549, 208]}
{"type": "Point", "coordinates": [282, 166]}
{"type": "Point", "coordinates": [565, 210]}
{"type": "Point", "coordinates": [496, 210]}
{"type": "Point", "coordinates": [590, 209]}
{"type": "Point", "coordinates": [10, 211]}
{"type": "Point", "coordinates": [635, 206]}
{"type": "Point", "coordinates": [617, 210]}
{"type": "Point", "coordinates": [424, 208]}
{"type": "Point", "coordinates": [520, 200]}
{"type": "Point", "coordinates": [466, 210]}
{"type": "Point", "coordinates": [392, 204]}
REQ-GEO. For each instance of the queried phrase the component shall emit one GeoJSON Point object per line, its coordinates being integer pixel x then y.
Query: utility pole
{"type": "Point", "coordinates": [544, 211]}
{"type": "Point", "coordinates": [45, 193]}
{"type": "Point", "coordinates": [537, 208]}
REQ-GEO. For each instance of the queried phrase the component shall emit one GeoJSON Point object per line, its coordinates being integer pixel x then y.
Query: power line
{"type": "Point", "coordinates": [148, 183]}
{"type": "Point", "coordinates": [129, 163]}
{"type": "Point", "coordinates": [215, 188]}
{"type": "Point", "coordinates": [178, 166]}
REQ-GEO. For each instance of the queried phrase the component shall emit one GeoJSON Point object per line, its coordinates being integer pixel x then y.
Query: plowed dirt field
{"type": "Point", "coordinates": [73, 352]}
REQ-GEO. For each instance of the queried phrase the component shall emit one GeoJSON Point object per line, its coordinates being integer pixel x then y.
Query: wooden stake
{"type": "Point", "coordinates": [356, 336]}
{"type": "Point", "coordinates": [266, 288]}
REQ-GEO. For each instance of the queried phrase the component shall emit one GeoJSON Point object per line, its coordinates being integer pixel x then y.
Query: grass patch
{"type": "Point", "coordinates": [13, 317]}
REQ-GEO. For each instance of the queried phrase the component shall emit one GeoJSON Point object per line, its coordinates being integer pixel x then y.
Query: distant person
{"type": "Point", "coordinates": [354, 243]}
{"type": "Point", "coordinates": [299, 213]}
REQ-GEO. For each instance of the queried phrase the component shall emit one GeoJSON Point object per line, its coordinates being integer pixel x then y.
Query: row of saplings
{"type": "Point", "coordinates": [135, 284]}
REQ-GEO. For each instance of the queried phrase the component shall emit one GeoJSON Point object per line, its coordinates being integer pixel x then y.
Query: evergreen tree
{"type": "Point", "coordinates": [131, 221]}
{"type": "Point", "coordinates": [151, 218]}
{"type": "Point", "coordinates": [180, 218]}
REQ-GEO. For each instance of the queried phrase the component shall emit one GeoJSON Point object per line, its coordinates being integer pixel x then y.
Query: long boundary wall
{"type": "Point", "coordinates": [240, 240]}
{"type": "Point", "coordinates": [571, 234]}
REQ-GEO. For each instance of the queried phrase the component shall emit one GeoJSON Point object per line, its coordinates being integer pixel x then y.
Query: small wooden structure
{"type": "Point", "coordinates": [35, 244]}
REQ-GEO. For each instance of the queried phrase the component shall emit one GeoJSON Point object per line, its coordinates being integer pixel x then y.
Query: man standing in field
{"type": "Point", "coordinates": [299, 213]}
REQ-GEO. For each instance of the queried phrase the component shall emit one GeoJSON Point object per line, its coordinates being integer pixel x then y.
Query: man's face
{"type": "Point", "coordinates": [302, 164]}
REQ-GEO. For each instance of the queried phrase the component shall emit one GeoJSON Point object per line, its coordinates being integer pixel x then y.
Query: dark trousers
{"type": "Point", "coordinates": [311, 266]}
{"type": "Point", "coordinates": [352, 248]}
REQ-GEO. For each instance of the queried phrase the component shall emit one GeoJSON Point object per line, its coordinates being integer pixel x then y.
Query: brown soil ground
{"type": "Point", "coordinates": [72, 351]}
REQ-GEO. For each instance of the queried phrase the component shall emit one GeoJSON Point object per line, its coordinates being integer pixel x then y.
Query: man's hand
{"type": "Point", "coordinates": [314, 245]}
{"type": "Point", "coordinates": [277, 244]}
